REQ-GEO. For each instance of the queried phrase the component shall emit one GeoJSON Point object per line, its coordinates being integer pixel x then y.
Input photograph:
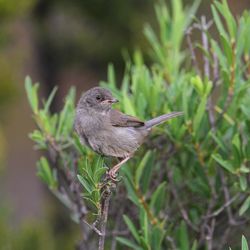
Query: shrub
{"type": "Point", "coordinates": [188, 186]}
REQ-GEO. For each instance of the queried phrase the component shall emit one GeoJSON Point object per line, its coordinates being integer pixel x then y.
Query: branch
{"type": "Point", "coordinates": [116, 231]}
{"type": "Point", "coordinates": [69, 190]}
{"type": "Point", "coordinates": [209, 238]}
{"type": "Point", "coordinates": [204, 29]}
{"type": "Point", "coordinates": [172, 242]}
{"type": "Point", "coordinates": [191, 48]}
{"type": "Point", "coordinates": [104, 217]}
{"type": "Point", "coordinates": [222, 208]}
{"type": "Point", "coordinates": [152, 218]}
{"type": "Point", "coordinates": [231, 218]}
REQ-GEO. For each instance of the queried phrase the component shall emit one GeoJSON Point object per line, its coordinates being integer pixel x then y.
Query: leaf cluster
{"type": "Point", "coordinates": [189, 186]}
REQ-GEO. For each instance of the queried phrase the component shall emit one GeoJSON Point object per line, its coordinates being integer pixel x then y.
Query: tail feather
{"type": "Point", "coordinates": [160, 119]}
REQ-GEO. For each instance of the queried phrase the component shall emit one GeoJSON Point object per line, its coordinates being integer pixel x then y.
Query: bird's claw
{"type": "Point", "coordinates": [112, 175]}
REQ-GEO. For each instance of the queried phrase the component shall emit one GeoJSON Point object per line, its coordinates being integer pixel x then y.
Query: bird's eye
{"type": "Point", "coordinates": [98, 97]}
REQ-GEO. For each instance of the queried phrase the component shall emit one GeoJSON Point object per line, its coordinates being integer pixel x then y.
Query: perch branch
{"type": "Point", "coordinates": [104, 217]}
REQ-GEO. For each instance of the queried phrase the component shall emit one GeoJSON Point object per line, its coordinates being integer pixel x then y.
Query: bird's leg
{"type": "Point", "coordinates": [113, 170]}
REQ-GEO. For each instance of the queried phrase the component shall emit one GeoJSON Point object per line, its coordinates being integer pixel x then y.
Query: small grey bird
{"type": "Point", "coordinates": [109, 132]}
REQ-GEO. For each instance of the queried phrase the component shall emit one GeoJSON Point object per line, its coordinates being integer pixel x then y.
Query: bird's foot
{"type": "Point", "coordinates": [112, 175]}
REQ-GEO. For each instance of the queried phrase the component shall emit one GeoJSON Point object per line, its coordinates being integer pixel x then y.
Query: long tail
{"type": "Point", "coordinates": [160, 119]}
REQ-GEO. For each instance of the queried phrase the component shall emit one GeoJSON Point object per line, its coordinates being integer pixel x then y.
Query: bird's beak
{"type": "Point", "coordinates": [113, 100]}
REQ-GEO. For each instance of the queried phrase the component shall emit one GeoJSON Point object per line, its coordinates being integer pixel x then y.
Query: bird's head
{"type": "Point", "coordinates": [97, 98]}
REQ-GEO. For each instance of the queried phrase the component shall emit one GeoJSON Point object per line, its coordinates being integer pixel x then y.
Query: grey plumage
{"type": "Point", "coordinates": [107, 131]}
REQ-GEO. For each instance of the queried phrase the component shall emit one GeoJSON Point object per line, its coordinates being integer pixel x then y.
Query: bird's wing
{"type": "Point", "coordinates": [119, 119]}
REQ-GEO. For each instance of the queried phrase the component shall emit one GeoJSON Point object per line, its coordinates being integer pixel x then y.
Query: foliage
{"type": "Point", "coordinates": [188, 187]}
{"type": "Point", "coordinates": [244, 244]}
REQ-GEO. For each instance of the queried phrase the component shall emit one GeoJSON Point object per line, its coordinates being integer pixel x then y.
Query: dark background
{"type": "Point", "coordinates": [62, 43]}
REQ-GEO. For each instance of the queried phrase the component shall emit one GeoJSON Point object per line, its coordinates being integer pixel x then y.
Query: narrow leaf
{"type": "Point", "coordinates": [84, 183]}
{"type": "Point", "coordinates": [128, 243]}
{"type": "Point", "coordinates": [245, 206]}
{"type": "Point", "coordinates": [244, 244]}
{"type": "Point", "coordinates": [132, 228]}
{"type": "Point", "coordinates": [140, 168]}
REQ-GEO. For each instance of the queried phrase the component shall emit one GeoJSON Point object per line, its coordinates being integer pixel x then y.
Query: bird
{"type": "Point", "coordinates": [108, 131]}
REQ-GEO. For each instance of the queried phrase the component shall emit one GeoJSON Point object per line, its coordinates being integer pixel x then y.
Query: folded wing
{"type": "Point", "coordinates": [118, 119]}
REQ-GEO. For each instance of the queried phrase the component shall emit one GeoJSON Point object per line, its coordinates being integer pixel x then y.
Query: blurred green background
{"type": "Point", "coordinates": [60, 43]}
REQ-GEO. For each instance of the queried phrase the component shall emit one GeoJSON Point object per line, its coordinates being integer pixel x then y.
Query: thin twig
{"type": "Point", "coordinates": [205, 227]}
{"type": "Point", "coordinates": [172, 243]}
{"type": "Point", "coordinates": [71, 189]}
{"type": "Point", "coordinates": [105, 209]}
{"type": "Point", "coordinates": [204, 29]}
{"type": "Point", "coordinates": [191, 48]}
{"type": "Point", "coordinates": [116, 231]}
{"type": "Point", "coordinates": [227, 199]}
{"type": "Point", "coordinates": [210, 235]}
{"type": "Point", "coordinates": [222, 208]}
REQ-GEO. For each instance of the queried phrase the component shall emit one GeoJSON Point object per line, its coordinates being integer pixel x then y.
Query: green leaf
{"type": "Point", "coordinates": [99, 173]}
{"type": "Point", "coordinates": [183, 237]}
{"type": "Point", "coordinates": [221, 56]}
{"type": "Point", "coordinates": [218, 22]}
{"type": "Point", "coordinates": [244, 169]}
{"type": "Point", "coordinates": [31, 91]}
{"type": "Point", "coordinates": [144, 224]}
{"type": "Point", "coordinates": [50, 99]}
{"type": "Point", "coordinates": [38, 137]}
{"type": "Point", "coordinates": [81, 149]}
{"type": "Point", "coordinates": [157, 199]}
{"type": "Point", "coordinates": [245, 110]}
{"type": "Point", "coordinates": [217, 138]}
{"type": "Point", "coordinates": [244, 244]}
{"type": "Point", "coordinates": [243, 182]}
{"type": "Point", "coordinates": [226, 13]}
{"type": "Point", "coordinates": [85, 184]}
{"type": "Point", "coordinates": [128, 105]}
{"type": "Point", "coordinates": [128, 243]}
{"type": "Point", "coordinates": [45, 173]}
{"type": "Point", "coordinates": [198, 85]}
{"type": "Point", "coordinates": [200, 113]}
{"type": "Point", "coordinates": [145, 178]}
{"type": "Point", "coordinates": [111, 75]}
{"type": "Point", "coordinates": [157, 238]}
{"type": "Point", "coordinates": [66, 115]}
{"type": "Point", "coordinates": [245, 206]}
{"type": "Point", "coordinates": [236, 141]}
{"type": "Point", "coordinates": [140, 168]}
{"type": "Point", "coordinates": [227, 49]}
{"type": "Point", "coordinates": [95, 196]}
{"type": "Point", "coordinates": [195, 245]}
{"type": "Point", "coordinates": [225, 164]}
{"type": "Point", "coordinates": [131, 191]}
{"type": "Point", "coordinates": [144, 243]}
{"type": "Point", "coordinates": [132, 228]}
